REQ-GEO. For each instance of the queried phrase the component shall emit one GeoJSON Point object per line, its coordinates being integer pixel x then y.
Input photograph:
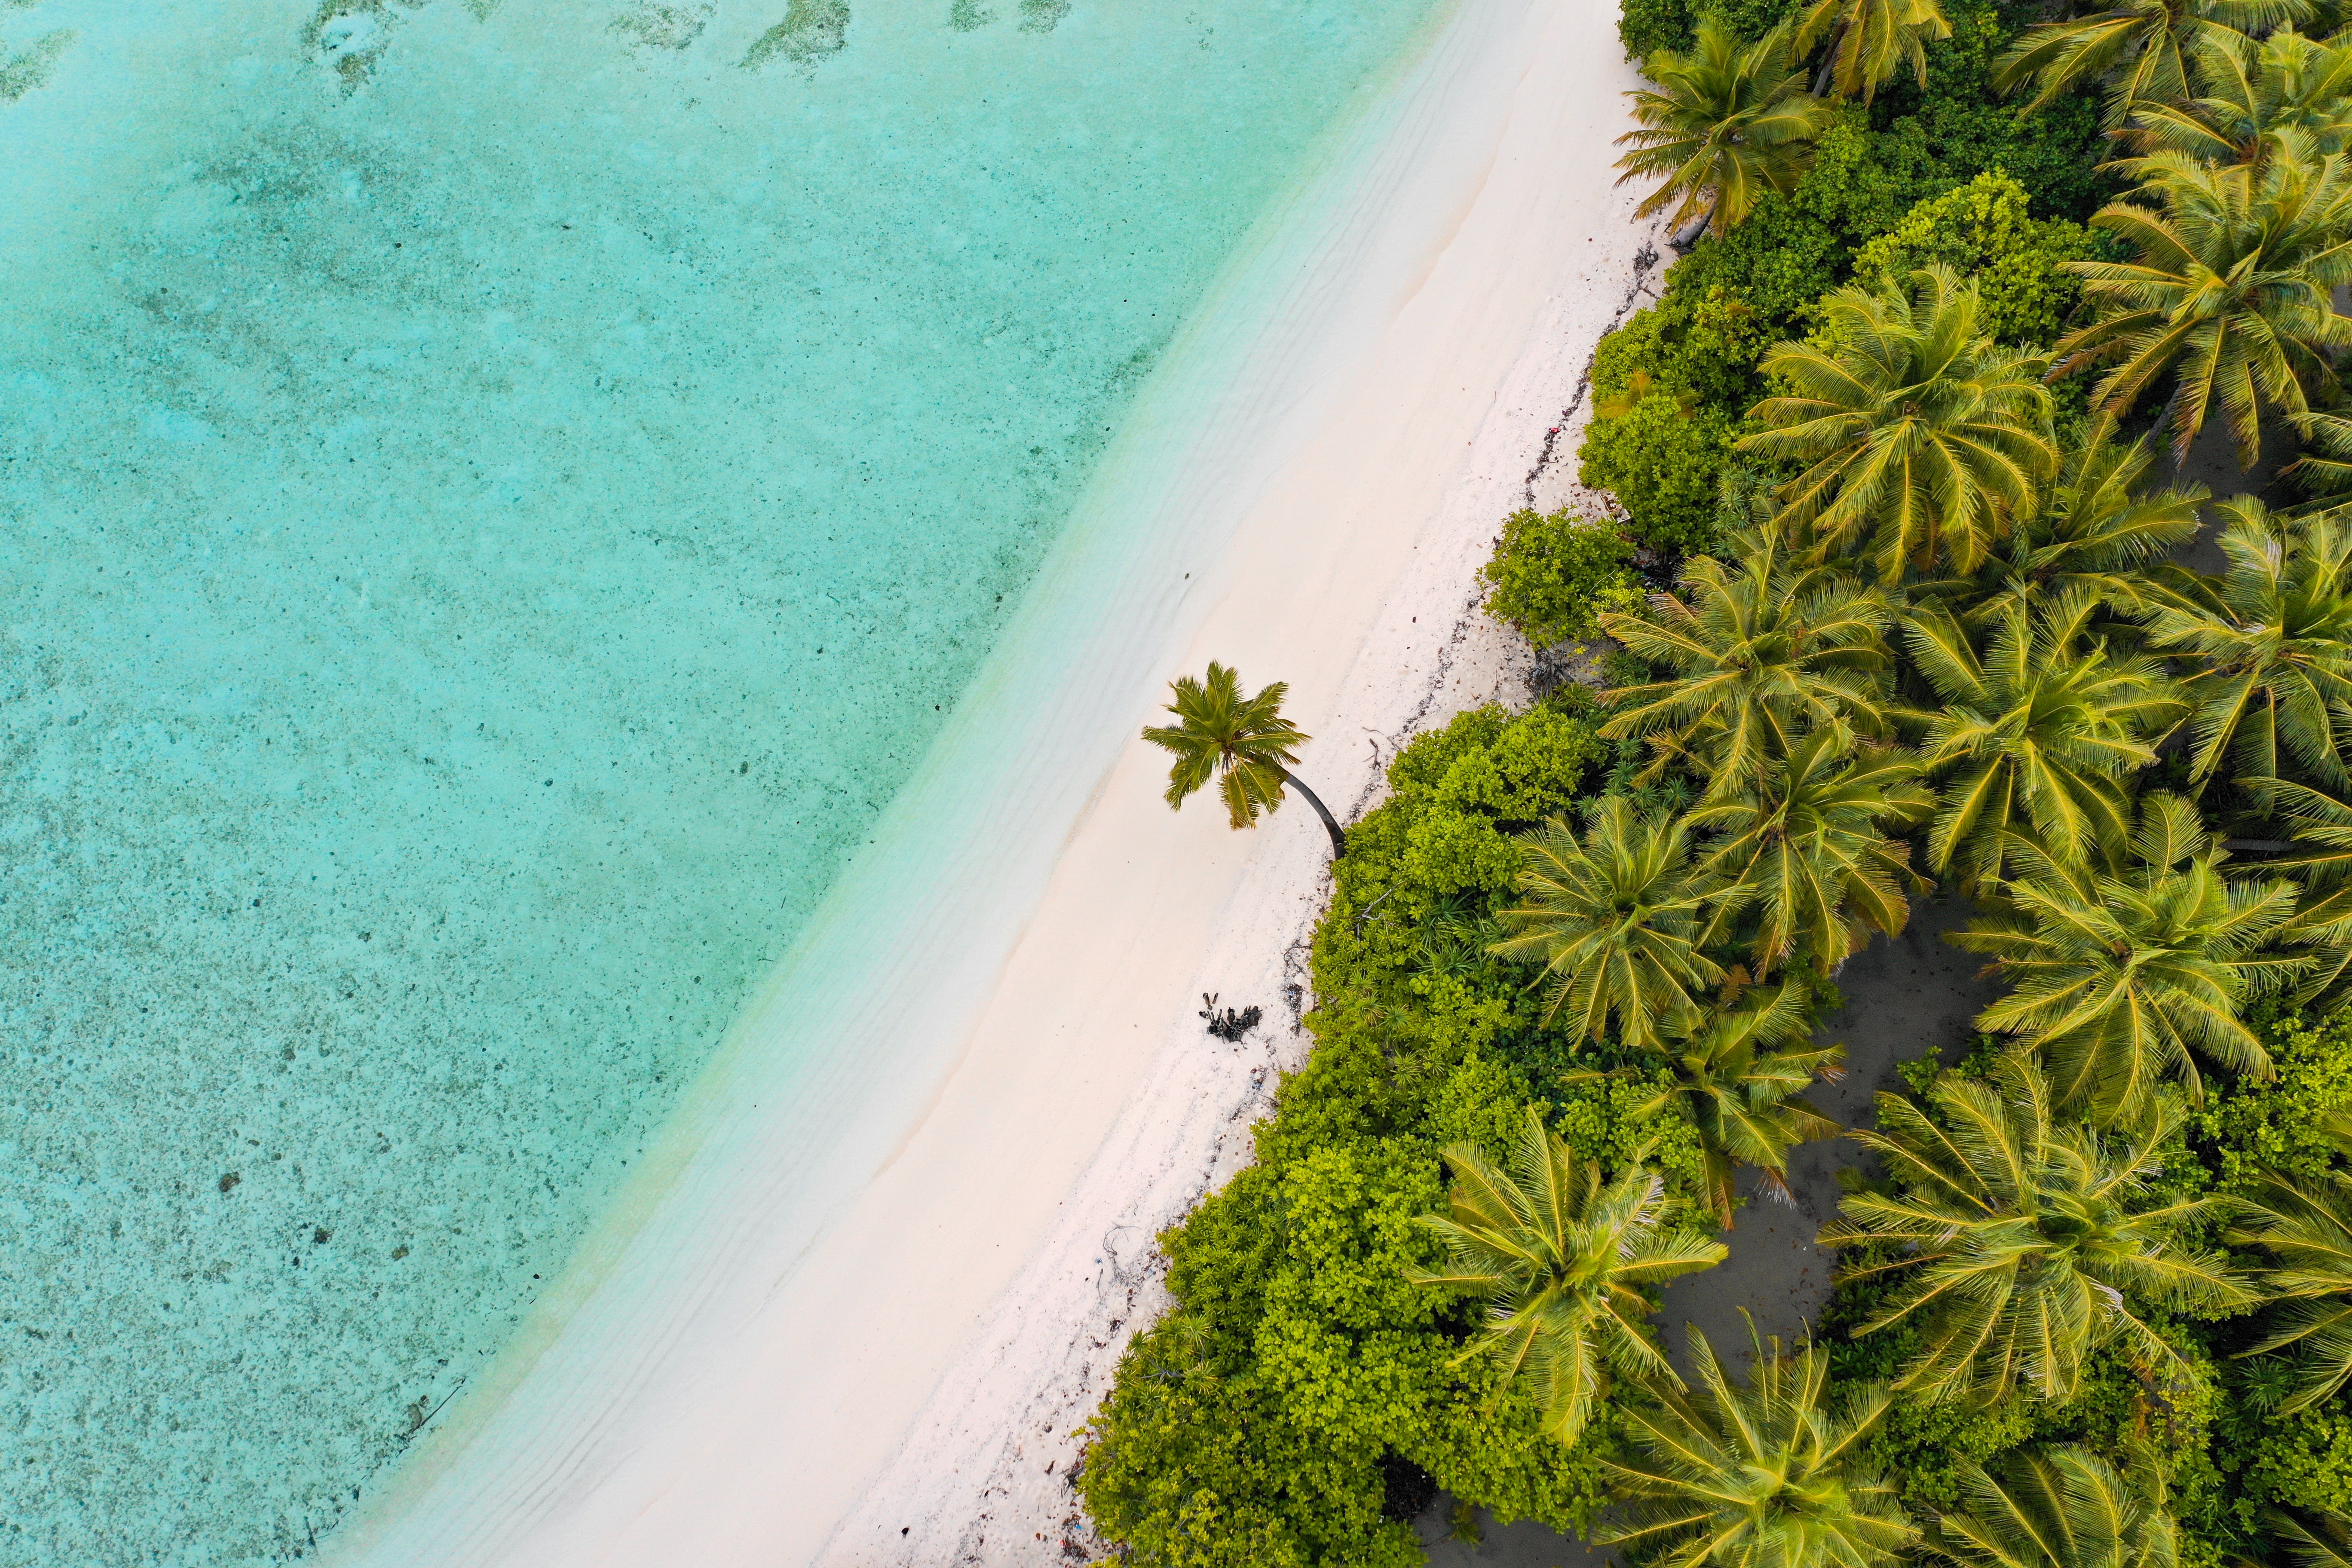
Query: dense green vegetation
{"type": "Point", "coordinates": [1886, 452]}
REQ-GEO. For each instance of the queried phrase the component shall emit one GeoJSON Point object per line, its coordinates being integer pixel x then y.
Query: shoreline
{"type": "Point", "coordinates": [903, 1147]}
{"type": "Point", "coordinates": [984, 1477]}
{"type": "Point", "coordinates": [992, 1449]}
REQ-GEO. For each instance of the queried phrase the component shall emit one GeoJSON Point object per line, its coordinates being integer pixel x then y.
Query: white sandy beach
{"type": "Point", "coordinates": [879, 1267]}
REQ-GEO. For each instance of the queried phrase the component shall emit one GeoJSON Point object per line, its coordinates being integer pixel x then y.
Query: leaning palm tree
{"type": "Point", "coordinates": [2038, 733]}
{"type": "Point", "coordinates": [1721, 126]}
{"type": "Point", "coordinates": [2229, 292]}
{"type": "Point", "coordinates": [1736, 1070]}
{"type": "Point", "coordinates": [2246, 90]}
{"type": "Point", "coordinates": [1613, 917]}
{"type": "Point", "coordinates": [2019, 1244]}
{"type": "Point", "coordinates": [2140, 48]}
{"type": "Point", "coordinates": [1869, 41]}
{"type": "Point", "coordinates": [1802, 846]}
{"type": "Point", "coordinates": [2123, 980]}
{"type": "Point", "coordinates": [1917, 431]}
{"type": "Point", "coordinates": [1763, 648]}
{"type": "Point", "coordinates": [2307, 1227]}
{"type": "Point", "coordinates": [1245, 742]}
{"type": "Point", "coordinates": [1565, 1259]}
{"type": "Point", "coordinates": [2064, 1507]}
{"type": "Point", "coordinates": [2273, 658]}
{"type": "Point", "coordinates": [1769, 1475]}
{"type": "Point", "coordinates": [2102, 530]}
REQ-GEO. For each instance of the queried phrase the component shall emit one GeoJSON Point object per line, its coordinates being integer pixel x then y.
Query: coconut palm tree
{"type": "Point", "coordinates": [2064, 1508]}
{"type": "Point", "coordinates": [2036, 733]}
{"type": "Point", "coordinates": [1244, 741]}
{"type": "Point", "coordinates": [2123, 979]}
{"type": "Point", "coordinates": [2271, 658]}
{"type": "Point", "coordinates": [2229, 292]}
{"type": "Point", "coordinates": [1738, 1069]}
{"type": "Point", "coordinates": [2102, 530]}
{"type": "Point", "coordinates": [2324, 468]}
{"type": "Point", "coordinates": [1769, 1476]}
{"type": "Point", "coordinates": [1869, 41]}
{"type": "Point", "coordinates": [2320, 824]}
{"type": "Point", "coordinates": [1565, 1259]}
{"type": "Point", "coordinates": [1800, 847]}
{"type": "Point", "coordinates": [2140, 47]}
{"type": "Point", "coordinates": [2019, 1244]}
{"type": "Point", "coordinates": [1720, 126]}
{"type": "Point", "coordinates": [1764, 648]}
{"type": "Point", "coordinates": [1613, 917]}
{"type": "Point", "coordinates": [1919, 431]}
{"type": "Point", "coordinates": [2322, 1538]}
{"type": "Point", "coordinates": [2307, 1227]}
{"type": "Point", "coordinates": [2246, 89]}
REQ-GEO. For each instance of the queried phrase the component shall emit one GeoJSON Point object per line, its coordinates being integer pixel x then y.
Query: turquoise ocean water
{"type": "Point", "coordinates": [494, 497]}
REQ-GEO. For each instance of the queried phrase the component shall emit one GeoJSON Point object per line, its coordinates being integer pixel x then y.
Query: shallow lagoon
{"type": "Point", "coordinates": [493, 502]}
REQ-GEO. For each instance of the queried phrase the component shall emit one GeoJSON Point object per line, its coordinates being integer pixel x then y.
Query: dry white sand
{"type": "Point", "coordinates": [878, 1271]}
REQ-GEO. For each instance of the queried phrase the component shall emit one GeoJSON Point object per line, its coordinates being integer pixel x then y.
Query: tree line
{"type": "Point", "coordinates": [1936, 638]}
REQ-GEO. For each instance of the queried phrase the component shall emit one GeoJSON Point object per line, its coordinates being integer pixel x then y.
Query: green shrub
{"type": "Point", "coordinates": [1662, 464]}
{"type": "Point", "coordinates": [1645, 26]}
{"type": "Point", "coordinates": [1250, 1426]}
{"type": "Point", "coordinates": [1983, 229]}
{"type": "Point", "coordinates": [1701, 345]}
{"type": "Point", "coordinates": [1793, 249]}
{"type": "Point", "coordinates": [1437, 854]}
{"type": "Point", "coordinates": [2304, 1463]}
{"type": "Point", "coordinates": [1554, 573]}
{"type": "Point", "coordinates": [1958, 127]}
{"type": "Point", "coordinates": [2245, 1128]}
{"type": "Point", "coordinates": [1606, 1120]}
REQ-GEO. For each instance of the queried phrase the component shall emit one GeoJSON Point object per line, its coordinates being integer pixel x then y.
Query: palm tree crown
{"type": "Point", "coordinates": [1737, 1070]}
{"type": "Point", "coordinates": [1801, 845]}
{"type": "Point", "coordinates": [1764, 648]}
{"type": "Point", "coordinates": [2140, 47]}
{"type": "Point", "coordinates": [2272, 682]}
{"type": "Point", "coordinates": [2248, 89]}
{"type": "Point", "coordinates": [1245, 742]}
{"type": "Point", "coordinates": [1917, 428]}
{"type": "Point", "coordinates": [2322, 1540]}
{"type": "Point", "coordinates": [1721, 126]}
{"type": "Point", "coordinates": [2037, 732]}
{"type": "Point", "coordinates": [1564, 1259]}
{"type": "Point", "coordinates": [2017, 1239]}
{"type": "Point", "coordinates": [1769, 1476]}
{"type": "Point", "coordinates": [2229, 290]}
{"type": "Point", "coordinates": [2122, 980]}
{"type": "Point", "coordinates": [2101, 531]}
{"type": "Point", "coordinates": [1613, 917]}
{"type": "Point", "coordinates": [2307, 1227]}
{"type": "Point", "coordinates": [1870, 40]}
{"type": "Point", "coordinates": [2067, 1507]}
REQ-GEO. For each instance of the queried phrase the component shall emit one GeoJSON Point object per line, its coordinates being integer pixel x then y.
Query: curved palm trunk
{"type": "Point", "coordinates": [1829, 60]}
{"type": "Point", "coordinates": [1330, 823]}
